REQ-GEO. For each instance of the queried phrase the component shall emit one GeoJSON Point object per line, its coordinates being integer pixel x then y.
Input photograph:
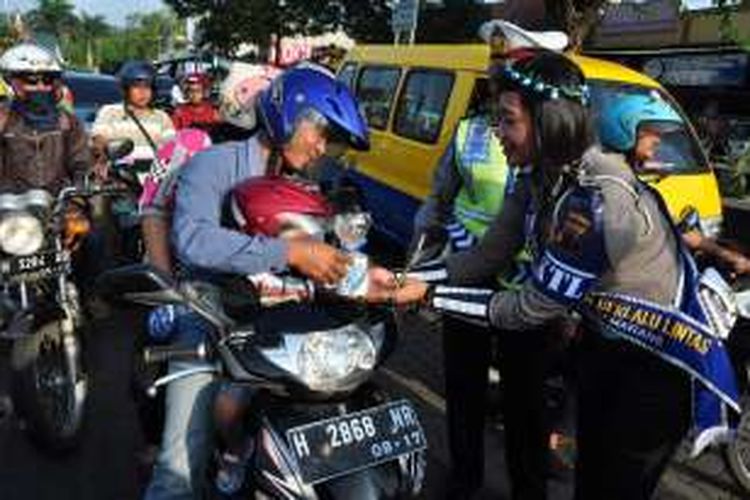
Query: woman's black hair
{"type": "Point", "coordinates": [554, 90]}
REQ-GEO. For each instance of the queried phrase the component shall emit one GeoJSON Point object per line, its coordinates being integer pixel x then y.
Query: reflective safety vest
{"type": "Point", "coordinates": [484, 172]}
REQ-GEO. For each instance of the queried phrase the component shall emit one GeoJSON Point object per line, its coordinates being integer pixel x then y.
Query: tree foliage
{"type": "Point", "coordinates": [88, 41]}
{"type": "Point", "coordinates": [225, 24]}
{"type": "Point", "coordinates": [55, 17]}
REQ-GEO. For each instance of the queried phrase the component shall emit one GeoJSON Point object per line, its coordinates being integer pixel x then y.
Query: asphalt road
{"type": "Point", "coordinates": [105, 465]}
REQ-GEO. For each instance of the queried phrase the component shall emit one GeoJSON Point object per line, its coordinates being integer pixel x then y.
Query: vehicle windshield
{"type": "Point", "coordinates": [679, 151]}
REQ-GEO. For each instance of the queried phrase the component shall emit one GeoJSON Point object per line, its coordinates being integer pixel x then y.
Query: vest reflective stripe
{"type": "Point", "coordinates": [465, 213]}
{"type": "Point", "coordinates": [484, 171]}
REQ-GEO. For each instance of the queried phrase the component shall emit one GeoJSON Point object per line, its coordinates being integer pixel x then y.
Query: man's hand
{"type": "Point", "coordinates": [100, 169]}
{"type": "Point", "coordinates": [741, 265]}
{"type": "Point", "coordinates": [320, 262]}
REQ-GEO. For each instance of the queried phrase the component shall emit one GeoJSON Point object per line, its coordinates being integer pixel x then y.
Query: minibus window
{"type": "Point", "coordinates": [422, 104]}
{"type": "Point", "coordinates": [679, 151]}
{"type": "Point", "coordinates": [375, 91]}
{"type": "Point", "coordinates": [347, 74]}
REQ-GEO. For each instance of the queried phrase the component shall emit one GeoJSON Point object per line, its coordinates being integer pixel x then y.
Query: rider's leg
{"type": "Point", "coordinates": [186, 443]}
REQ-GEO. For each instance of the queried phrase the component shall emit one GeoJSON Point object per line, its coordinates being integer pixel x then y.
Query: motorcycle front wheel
{"type": "Point", "coordinates": [49, 387]}
{"type": "Point", "coordinates": [738, 449]}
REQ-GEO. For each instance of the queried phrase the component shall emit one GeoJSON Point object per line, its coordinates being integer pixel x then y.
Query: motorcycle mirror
{"type": "Point", "coordinates": [119, 149]}
{"type": "Point", "coordinates": [141, 284]}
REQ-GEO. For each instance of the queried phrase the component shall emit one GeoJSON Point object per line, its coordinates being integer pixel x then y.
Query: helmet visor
{"type": "Point", "coordinates": [658, 127]}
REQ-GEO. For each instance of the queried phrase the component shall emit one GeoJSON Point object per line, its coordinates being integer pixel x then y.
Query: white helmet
{"type": "Point", "coordinates": [240, 90]}
{"type": "Point", "coordinates": [29, 58]}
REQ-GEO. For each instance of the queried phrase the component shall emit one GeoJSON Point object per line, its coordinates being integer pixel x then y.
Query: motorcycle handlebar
{"type": "Point", "coordinates": [158, 354]}
{"type": "Point", "coordinates": [88, 191]}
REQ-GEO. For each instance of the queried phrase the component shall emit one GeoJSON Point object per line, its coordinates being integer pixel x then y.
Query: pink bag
{"type": "Point", "coordinates": [170, 156]}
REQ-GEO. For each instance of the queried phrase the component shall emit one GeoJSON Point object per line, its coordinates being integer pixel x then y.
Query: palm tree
{"type": "Point", "coordinates": [53, 16]}
{"type": "Point", "coordinates": [92, 29]}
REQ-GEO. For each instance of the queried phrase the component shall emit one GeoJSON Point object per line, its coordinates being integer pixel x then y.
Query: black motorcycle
{"type": "Point", "coordinates": [307, 420]}
{"type": "Point", "coordinates": [40, 311]}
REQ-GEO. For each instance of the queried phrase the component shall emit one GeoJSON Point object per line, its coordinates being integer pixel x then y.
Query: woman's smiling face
{"type": "Point", "coordinates": [513, 126]}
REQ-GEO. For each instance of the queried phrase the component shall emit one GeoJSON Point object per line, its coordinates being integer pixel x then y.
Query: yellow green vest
{"type": "Point", "coordinates": [484, 172]}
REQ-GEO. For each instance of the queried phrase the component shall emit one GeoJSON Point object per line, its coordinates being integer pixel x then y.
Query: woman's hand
{"type": "Point", "coordinates": [410, 292]}
{"type": "Point", "coordinates": [381, 285]}
{"type": "Point", "coordinates": [384, 287]}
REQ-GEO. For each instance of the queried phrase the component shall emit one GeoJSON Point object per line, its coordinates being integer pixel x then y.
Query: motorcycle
{"type": "Point", "coordinates": [738, 344]}
{"type": "Point", "coordinates": [298, 414]}
{"type": "Point", "coordinates": [40, 311]}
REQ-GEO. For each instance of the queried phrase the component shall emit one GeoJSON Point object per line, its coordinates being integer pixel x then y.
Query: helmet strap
{"type": "Point", "coordinates": [275, 162]}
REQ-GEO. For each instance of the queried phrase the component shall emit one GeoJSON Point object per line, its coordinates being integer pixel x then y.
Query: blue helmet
{"type": "Point", "coordinates": [308, 88]}
{"type": "Point", "coordinates": [619, 120]}
{"type": "Point", "coordinates": [136, 71]}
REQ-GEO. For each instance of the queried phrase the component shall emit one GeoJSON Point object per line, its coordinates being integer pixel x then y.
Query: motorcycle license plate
{"type": "Point", "coordinates": [33, 263]}
{"type": "Point", "coordinates": [345, 444]}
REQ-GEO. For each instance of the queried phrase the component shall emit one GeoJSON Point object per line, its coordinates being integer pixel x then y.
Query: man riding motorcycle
{"type": "Point", "coordinates": [136, 120]}
{"type": "Point", "coordinates": [42, 146]}
{"type": "Point", "coordinates": [635, 125]}
{"type": "Point", "coordinates": [303, 112]}
{"type": "Point", "coordinates": [198, 111]}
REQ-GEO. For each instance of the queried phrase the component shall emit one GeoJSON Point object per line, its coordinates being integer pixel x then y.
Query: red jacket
{"type": "Point", "coordinates": [191, 115]}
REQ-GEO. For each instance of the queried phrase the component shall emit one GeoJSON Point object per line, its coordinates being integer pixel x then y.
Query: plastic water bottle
{"type": "Point", "coordinates": [161, 322]}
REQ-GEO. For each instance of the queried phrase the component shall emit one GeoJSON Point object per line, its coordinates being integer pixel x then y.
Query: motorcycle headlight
{"type": "Point", "coordinates": [21, 234]}
{"type": "Point", "coordinates": [332, 360]}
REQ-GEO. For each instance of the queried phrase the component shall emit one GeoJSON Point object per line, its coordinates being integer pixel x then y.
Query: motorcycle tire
{"type": "Point", "coordinates": [738, 450]}
{"type": "Point", "coordinates": [47, 396]}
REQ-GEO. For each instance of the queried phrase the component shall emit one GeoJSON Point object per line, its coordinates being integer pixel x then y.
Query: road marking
{"type": "Point", "coordinates": [422, 391]}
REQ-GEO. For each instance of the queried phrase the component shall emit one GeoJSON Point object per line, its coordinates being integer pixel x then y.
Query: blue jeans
{"type": "Point", "coordinates": [179, 471]}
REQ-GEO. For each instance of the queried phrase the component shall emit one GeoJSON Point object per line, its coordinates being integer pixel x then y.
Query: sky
{"type": "Point", "coordinates": [114, 11]}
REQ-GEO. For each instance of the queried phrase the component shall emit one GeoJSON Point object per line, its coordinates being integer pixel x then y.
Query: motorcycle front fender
{"type": "Point", "coordinates": [376, 483]}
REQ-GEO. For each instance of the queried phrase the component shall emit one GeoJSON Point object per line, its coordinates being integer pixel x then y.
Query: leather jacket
{"type": "Point", "coordinates": [30, 158]}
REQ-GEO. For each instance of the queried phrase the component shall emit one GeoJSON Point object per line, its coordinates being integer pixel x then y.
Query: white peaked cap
{"type": "Point", "coordinates": [519, 38]}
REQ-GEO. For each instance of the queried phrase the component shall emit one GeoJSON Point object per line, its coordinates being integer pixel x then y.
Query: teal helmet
{"type": "Point", "coordinates": [620, 119]}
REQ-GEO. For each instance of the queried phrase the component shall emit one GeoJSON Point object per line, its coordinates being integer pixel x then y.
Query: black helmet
{"type": "Point", "coordinates": [136, 71]}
